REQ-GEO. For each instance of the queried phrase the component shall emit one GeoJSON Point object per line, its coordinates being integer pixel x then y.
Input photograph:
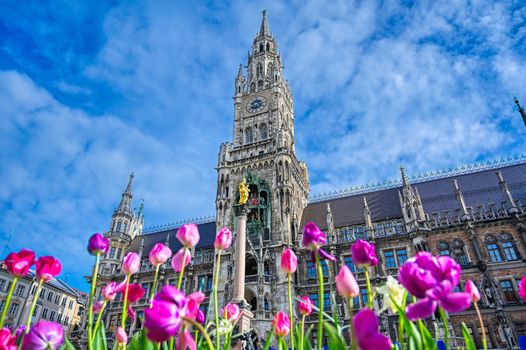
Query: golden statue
{"type": "Point", "coordinates": [243, 192]}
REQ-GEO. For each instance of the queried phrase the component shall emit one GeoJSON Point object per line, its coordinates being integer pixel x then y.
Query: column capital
{"type": "Point", "coordinates": [240, 210]}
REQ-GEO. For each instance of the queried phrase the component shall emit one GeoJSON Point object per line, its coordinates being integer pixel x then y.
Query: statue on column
{"type": "Point", "coordinates": [243, 192]}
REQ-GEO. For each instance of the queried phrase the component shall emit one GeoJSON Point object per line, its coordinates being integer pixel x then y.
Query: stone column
{"type": "Point", "coordinates": [239, 273]}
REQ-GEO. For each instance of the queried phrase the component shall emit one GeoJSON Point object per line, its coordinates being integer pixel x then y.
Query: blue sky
{"type": "Point", "coordinates": [90, 91]}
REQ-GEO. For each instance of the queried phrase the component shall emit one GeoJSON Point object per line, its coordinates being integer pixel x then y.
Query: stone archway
{"type": "Point", "coordinates": [251, 299]}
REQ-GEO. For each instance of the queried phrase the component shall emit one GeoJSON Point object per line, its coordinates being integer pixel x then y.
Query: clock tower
{"type": "Point", "coordinates": [262, 152]}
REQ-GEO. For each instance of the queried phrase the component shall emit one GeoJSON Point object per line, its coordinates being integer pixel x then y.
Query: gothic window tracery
{"type": "Point", "coordinates": [263, 131]}
{"type": "Point", "coordinates": [249, 137]}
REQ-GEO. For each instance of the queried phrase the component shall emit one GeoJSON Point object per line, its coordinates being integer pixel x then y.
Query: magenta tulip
{"type": "Point", "coordinates": [188, 234]}
{"type": "Point", "coordinates": [193, 301]}
{"type": "Point", "coordinates": [97, 306]}
{"type": "Point", "coordinates": [7, 340]}
{"type": "Point", "coordinates": [231, 312]}
{"type": "Point", "coordinates": [160, 254]}
{"type": "Point", "coordinates": [44, 336]}
{"type": "Point", "coordinates": [366, 332]}
{"type": "Point", "coordinates": [98, 244]}
{"type": "Point", "coordinates": [177, 260]}
{"type": "Point", "coordinates": [223, 239]}
{"type": "Point", "coordinates": [122, 337]}
{"type": "Point", "coordinates": [281, 324]}
{"type": "Point", "coordinates": [131, 263]}
{"type": "Point", "coordinates": [289, 261]}
{"type": "Point", "coordinates": [163, 319]}
{"type": "Point", "coordinates": [472, 290]}
{"type": "Point", "coordinates": [346, 283]}
{"type": "Point", "coordinates": [432, 280]}
{"type": "Point", "coordinates": [47, 268]}
{"type": "Point", "coordinates": [522, 288]}
{"type": "Point", "coordinates": [363, 253]}
{"type": "Point", "coordinates": [305, 305]}
{"type": "Point", "coordinates": [18, 264]}
{"type": "Point", "coordinates": [135, 292]}
{"type": "Point", "coordinates": [313, 239]}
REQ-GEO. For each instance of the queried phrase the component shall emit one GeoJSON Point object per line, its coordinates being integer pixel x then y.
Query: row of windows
{"type": "Point", "coordinates": [505, 251]}
{"type": "Point", "coordinates": [19, 290]}
{"type": "Point", "coordinates": [50, 315]}
{"type": "Point", "coordinates": [249, 133]}
{"type": "Point", "coordinates": [53, 297]}
{"type": "Point", "coordinates": [13, 307]}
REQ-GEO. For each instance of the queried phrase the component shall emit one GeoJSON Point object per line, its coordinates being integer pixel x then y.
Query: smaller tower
{"type": "Point", "coordinates": [411, 204]}
{"type": "Point", "coordinates": [521, 109]}
{"type": "Point", "coordinates": [367, 213]}
{"type": "Point", "coordinates": [461, 201]}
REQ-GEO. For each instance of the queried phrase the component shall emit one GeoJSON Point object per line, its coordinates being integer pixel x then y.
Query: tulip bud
{"type": "Point", "coordinates": [131, 263]}
{"type": "Point", "coordinates": [313, 237]}
{"type": "Point", "coordinates": [522, 288]}
{"type": "Point", "coordinates": [472, 290]}
{"type": "Point", "coordinates": [346, 283]}
{"type": "Point", "coordinates": [159, 254]}
{"type": "Point", "coordinates": [281, 324]}
{"type": "Point", "coordinates": [18, 264]}
{"type": "Point", "coordinates": [97, 306]}
{"type": "Point", "coordinates": [177, 260]}
{"type": "Point", "coordinates": [47, 267]}
{"type": "Point", "coordinates": [305, 305]}
{"type": "Point", "coordinates": [98, 244]}
{"type": "Point", "coordinates": [289, 261]}
{"type": "Point", "coordinates": [363, 253]}
{"type": "Point", "coordinates": [122, 337]}
{"type": "Point", "coordinates": [231, 312]}
{"type": "Point", "coordinates": [109, 292]}
{"type": "Point", "coordinates": [188, 234]}
{"type": "Point", "coordinates": [223, 239]}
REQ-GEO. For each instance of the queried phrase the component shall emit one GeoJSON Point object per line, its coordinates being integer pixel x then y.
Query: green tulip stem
{"type": "Point", "coordinates": [445, 324]}
{"type": "Point", "coordinates": [369, 292]}
{"type": "Point", "coordinates": [154, 287]}
{"type": "Point", "coordinates": [8, 301]}
{"type": "Point", "coordinates": [290, 311]}
{"type": "Point", "coordinates": [302, 337]}
{"type": "Point", "coordinates": [34, 304]}
{"type": "Point", "coordinates": [214, 291]}
{"type": "Point", "coordinates": [202, 330]}
{"type": "Point", "coordinates": [320, 298]}
{"type": "Point", "coordinates": [484, 343]}
{"type": "Point", "coordinates": [91, 295]}
{"type": "Point", "coordinates": [125, 304]}
{"type": "Point", "coordinates": [99, 317]}
{"type": "Point", "coordinates": [180, 281]}
{"type": "Point", "coordinates": [351, 325]}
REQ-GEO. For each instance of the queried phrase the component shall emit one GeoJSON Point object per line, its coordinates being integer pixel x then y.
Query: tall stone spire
{"type": "Point", "coordinates": [367, 213]}
{"type": "Point", "coordinates": [521, 110]}
{"type": "Point", "coordinates": [507, 193]}
{"type": "Point", "coordinates": [461, 201]}
{"type": "Point", "coordinates": [264, 30]}
{"type": "Point", "coordinates": [411, 205]}
{"type": "Point", "coordinates": [405, 180]}
{"type": "Point", "coordinates": [125, 204]}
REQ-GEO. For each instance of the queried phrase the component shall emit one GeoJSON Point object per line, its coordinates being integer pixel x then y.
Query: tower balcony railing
{"type": "Point", "coordinates": [379, 229]}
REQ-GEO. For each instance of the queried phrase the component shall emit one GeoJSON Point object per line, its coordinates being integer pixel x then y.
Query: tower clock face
{"type": "Point", "coordinates": [256, 104]}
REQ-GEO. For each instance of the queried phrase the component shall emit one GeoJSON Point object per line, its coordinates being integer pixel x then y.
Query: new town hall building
{"type": "Point", "coordinates": [475, 214]}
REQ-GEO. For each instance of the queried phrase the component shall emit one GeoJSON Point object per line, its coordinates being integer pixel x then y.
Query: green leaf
{"type": "Point", "coordinates": [414, 340]}
{"type": "Point", "coordinates": [269, 339]}
{"type": "Point", "coordinates": [67, 345]}
{"type": "Point", "coordinates": [335, 338]}
{"type": "Point", "coordinates": [99, 342]}
{"type": "Point", "coordinates": [140, 342]}
{"type": "Point", "coordinates": [470, 344]}
{"type": "Point", "coordinates": [282, 345]}
{"type": "Point", "coordinates": [429, 342]}
{"type": "Point", "coordinates": [306, 343]}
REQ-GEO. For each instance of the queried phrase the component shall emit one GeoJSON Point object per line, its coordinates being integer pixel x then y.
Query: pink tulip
{"type": "Point", "coordinates": [162, 321]}
{"type": "Point", "coordinates": [305, 305]}
{"type": "Point", "coordinates": [188, 234]}
{"type": "Point", "coordinates": [98, 244]}
{"type": "Point", "coordinates": [47, 267]}
{"type": "Point", "coordinates": [135, 292]}
{"type": "Point", "coordinates": [177, 260]}
{"type": "Point", "coordinates": [122, 337]}
{"type": "Point", "coordinates": [281, 324]}
{"type": "Point", "coordinates": [160, 254]}
{"type": "Point", "coordinates": [289, 261]}
{"type": "Point", "coordinates": [313, 239]}
{"type": "Point", "coordinates": [44, 336]}
{"type": "Point", "coordinates": [97, 306]}
{"type": "Point", "coordinates": [522, 288]}
{"type": "Point", "coordinates": [231, 312]}
{"type": "Point", "coordinates": [472, 290]}
{"type": "Point", "coordinates": [7, 340]}
{"type": "Point", "coordinates": [223, 239]}
{"type": "Point", "coordinates": [131, 263]}
{"type": "Point", "coordinates": [346, 283]}
{"type": "Point", "coordinates": [18, 264]}
{"type": "Point", "coordinates": [193, 301]}
{"type": "Point", "coordinates": [109, 292]}
{"type": "Point", "coordinates": [366, 331]}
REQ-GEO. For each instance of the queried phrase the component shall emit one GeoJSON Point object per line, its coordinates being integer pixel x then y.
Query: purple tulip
{"type": "Point", "coordinates": [163, 319]}
{"type": "Point", "coordinates": [98, 244]}
{"type": "Point", "coordinates": [366, 332]}
{"type": "Point", "coordinates": [43, 336]}
{"type": "Point", "coordinates": [522, 288]}
{"type": "Point", "coordinates": [363, 253]}
{"type": "Point", "coordinates": [432, 280]}
{"type": "Point", "coordinates": [313, 239]}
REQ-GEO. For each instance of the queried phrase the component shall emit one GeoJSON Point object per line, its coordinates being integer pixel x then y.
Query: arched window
{"type": "Point", "coordinates": [263, 131]}
{"type": "Point", "coordinates": [266, 304]}
{"type": "Point", "coordinates": [268, 47]}
{"type": "Point", "coordinates": [260, 83]}
{"type": "Point", "coordinates": [259, 70]}
{"type": "Point", "coordinates": [124, 227]}
{"type": "Point", "coordinates": [119, 226]}
{"type": "Point", "coordinates": [252, 87]}
{"type": "Point", "coordinates": [459, 253]}
{"type": "Point", "coordinates": [260, 47]}
{"type": "Point", "coordinates": [492, 246]}
{"type": "Point", "coordinates": [508, 247]}
{"type": "Point", "coordinates": [249, 137]}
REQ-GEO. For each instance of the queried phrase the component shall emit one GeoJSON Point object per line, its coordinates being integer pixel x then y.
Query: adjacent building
{"type": "Point", "coordinates": [475, 214]}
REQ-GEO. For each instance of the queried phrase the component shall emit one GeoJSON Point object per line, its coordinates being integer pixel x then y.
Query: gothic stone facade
{"type": "Point", "coordinates": [476, 217]}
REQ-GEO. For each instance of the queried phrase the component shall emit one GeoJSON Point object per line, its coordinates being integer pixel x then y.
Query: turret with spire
{"type": "Point", "coordinates": [411, 204]}
{"type": "Point", "coordinates": [521, 109]}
